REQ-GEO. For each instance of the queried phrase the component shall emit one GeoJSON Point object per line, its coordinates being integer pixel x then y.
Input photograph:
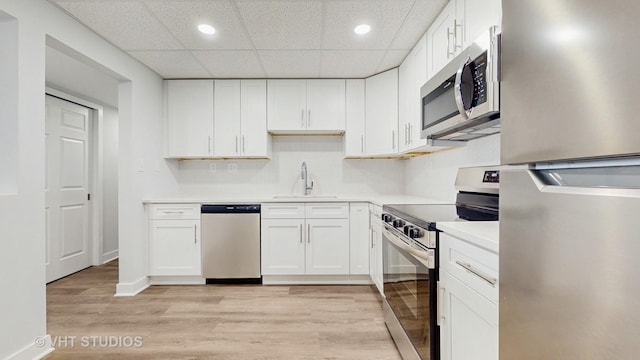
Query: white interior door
{"type": "Point", "coordinates": [66, 188]}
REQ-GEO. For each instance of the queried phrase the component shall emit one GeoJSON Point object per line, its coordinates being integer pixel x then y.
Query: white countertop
{"type": "Point", "coordinates": [259, 199]}
{"type": "Point", "coordinates": [485, 234]}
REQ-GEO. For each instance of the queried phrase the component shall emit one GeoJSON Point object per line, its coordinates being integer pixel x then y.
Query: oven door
{"type": "Point", "coordinates": [410, 289]}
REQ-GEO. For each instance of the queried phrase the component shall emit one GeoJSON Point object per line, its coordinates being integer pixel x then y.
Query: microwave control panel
{"type": "Point", "coordinates": [479, 69]}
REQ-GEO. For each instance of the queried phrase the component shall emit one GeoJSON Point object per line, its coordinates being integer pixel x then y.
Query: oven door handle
{"type": "Point", "coordinates": [425, 256]}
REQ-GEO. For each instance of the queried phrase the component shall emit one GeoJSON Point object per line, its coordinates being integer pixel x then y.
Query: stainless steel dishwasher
{"type": "Point", "coordinates": [231, 243]}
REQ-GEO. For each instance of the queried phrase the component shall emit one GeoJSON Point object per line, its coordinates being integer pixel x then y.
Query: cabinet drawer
{"type": "Point", "coordinates": [282, 211]}
{"type": "Point", "coordinates": [175, 211]}
{"type": "Point", "coordinates": [472, 265]}
{"type": "Point", "coordinates": [375, 209]}
{"type": "Point", "coordinates": [327, 210]}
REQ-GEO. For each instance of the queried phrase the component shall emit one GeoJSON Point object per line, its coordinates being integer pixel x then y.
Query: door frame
{"type": "Point", "coordinates": [96, 169]}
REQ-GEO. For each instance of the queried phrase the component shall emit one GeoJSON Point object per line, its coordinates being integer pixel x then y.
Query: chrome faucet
{"type": "Point", "coordinates": [305, 176]}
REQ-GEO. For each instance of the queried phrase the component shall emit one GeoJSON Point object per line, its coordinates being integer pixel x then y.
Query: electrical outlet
{"type": "Point", "coordinates": [232, 167]}
{"type": "Point", "coordinates": [212, 168]}
{"type": "Point", "coordinates": [141, 165]}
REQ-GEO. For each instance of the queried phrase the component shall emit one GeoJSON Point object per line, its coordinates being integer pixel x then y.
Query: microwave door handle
{"type": "Point", "coordinates": [457, 90]}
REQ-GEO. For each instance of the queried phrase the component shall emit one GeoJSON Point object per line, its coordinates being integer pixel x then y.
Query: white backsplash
{"type": "Point", "coordinates": [434, 175]}
{"type": "Point", "coordinates": [331, 173]}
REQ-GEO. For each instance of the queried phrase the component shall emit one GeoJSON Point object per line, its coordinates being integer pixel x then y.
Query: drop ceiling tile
{"type": "Point", "coordinates": [384, 16]}
{"type": "Point", "coordinates": [183, 17]}
{"type": "Point", "coordinates": [393, 58]}
{"type": "Point", "coordinates": [421, 16]}
{"type": "Point", "coordinates": [127, 24]}
{"type": "Point", "coordinates": [231, 63]}
{"type": "Point", "coordinates": [283, 24]}
{"type": "Point", "coordinates": [172, 64]}
{"type": "Point", "coordinates": [291, 63]}
{"type": "Point", "coordinates": [350, 63]}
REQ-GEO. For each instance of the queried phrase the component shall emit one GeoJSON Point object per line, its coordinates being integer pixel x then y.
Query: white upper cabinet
{"type": "Point", "coordinates": [226, 118]}
{"type": "Point", "coordinates": [240, 119]}
{"type": "Point", "coordinates": [475, 17]}
{"type": "Point", "coordinates": [254, 140]}
{"type": "Point", "coordinates": [412, 75]}
{"type": "Point", "coordinates": [355, 119]}
{"type": "Point", "coordinates": [306, 106]}
{"type": "Point", "coordinates": [381, 136]}
{"type": "Point", "coordinates": [189, 116]}
{"type": "Point", "coordinates": [440, 41]}
{"type": "Point", "coordinates": [459, 23]}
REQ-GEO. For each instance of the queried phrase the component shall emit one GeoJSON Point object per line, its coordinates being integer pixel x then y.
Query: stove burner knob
{"type": "Point", "coordinates": [415, 233]}
{"type": "Point", "coordinates": [407, 229]}
{"type": "Point", "coordinates": [387, 218]}
{"type": "Point", "coordinates": [398, 223]}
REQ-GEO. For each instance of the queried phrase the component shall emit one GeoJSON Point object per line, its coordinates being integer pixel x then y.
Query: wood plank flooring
{"type": "Point", "coordinates": [214, 321]}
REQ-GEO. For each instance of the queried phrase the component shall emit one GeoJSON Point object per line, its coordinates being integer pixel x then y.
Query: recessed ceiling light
{"type": "Point", "coordinates": [362, 29]}
{"type": "Point", "coordinates": [206, 29]}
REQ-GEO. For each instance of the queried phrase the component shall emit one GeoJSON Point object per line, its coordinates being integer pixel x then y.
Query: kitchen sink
{"type": "Point", "coordinates": [293, 196]}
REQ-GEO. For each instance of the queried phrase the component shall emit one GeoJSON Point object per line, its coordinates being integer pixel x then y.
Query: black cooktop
{"type": "Point", "coordinates": [423, 215]}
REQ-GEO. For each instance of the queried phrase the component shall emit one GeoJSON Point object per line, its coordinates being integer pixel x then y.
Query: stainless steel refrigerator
{"type": "Point", "coordinates": [570, 221]}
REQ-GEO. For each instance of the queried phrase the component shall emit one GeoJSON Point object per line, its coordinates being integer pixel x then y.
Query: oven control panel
{"type": "Point", "coordinates": [424, 237]}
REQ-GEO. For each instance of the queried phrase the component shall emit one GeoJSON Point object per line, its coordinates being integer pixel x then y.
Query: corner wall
{"type": "Point", "coordinates": [22, 269]}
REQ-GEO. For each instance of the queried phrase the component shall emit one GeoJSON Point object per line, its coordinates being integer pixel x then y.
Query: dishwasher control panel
{"type": "Point", "coordinates": [232, 208]}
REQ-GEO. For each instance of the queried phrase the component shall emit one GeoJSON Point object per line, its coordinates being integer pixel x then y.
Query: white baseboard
{"type": "Point", "coordinates": [316, 280]}
{"type": "Point", "coordinates": [38, 349]}
{"type": "Point", "coordinates": [109, 256]}
{"type": "Point", "coordinates": [177, 280]}
{"type": "Point", "coordinates": [134, 288]}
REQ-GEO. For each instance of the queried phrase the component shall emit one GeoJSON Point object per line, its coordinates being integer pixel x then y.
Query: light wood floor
{"type": "Point", "coordinates": [214, 321]}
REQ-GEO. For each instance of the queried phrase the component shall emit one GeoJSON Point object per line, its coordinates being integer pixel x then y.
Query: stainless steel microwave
{"type": "Point", "coordinates": [462, 101]}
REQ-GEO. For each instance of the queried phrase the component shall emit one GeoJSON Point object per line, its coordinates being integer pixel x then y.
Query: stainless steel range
{"type": "Point", "coordinates": [410, 259]}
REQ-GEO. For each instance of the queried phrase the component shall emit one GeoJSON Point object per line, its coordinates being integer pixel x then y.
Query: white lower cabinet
{"type": "Point", "coordinates": [302, 245]}
{"type": "Point", "coordinates": [283, 246]}
{"type": "Point", "coordinates": [375, 257]}
{"type": "Point", "coordinates": [468, 290]}
{"type": "Point", "coordinates": [359, 238]}
{"type": "Point", "coordinates": [174, 240]}
{"type": "Point", "coordinates": [470, 326]}
{"type": "Point", "coordinates": [327, 247]}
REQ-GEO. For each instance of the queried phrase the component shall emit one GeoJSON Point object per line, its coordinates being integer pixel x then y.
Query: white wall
{"type": "Point", "coordinates": [434, 175]}
{"type": "Point", "coordinates": [22, 270]}
{"type": "Point", "coordinates": [110, 184]}
{"type": "Point", "coordinates": [281, 175]}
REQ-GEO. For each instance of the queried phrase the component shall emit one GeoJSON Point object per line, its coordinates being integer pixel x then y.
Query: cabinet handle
{"type": "Point", "coordinates": [393, 139]}
{"type": "Point", "coordinates": [410, 133]}
{"type": "Point", "coordinates": [309, 233]}
{"type": "Point", "coordinates": [362, 144]}
{"type": "Point", "coordinates": [302, 118]}
{"type": "Point", "coordinates": [371, 235]}
{"type": "Point", "coordinates": [450, 34]}
{"type": "Point", "coordinates": [173, 212]}
{"type": "Point", "coordinates": [456, 25]}
{"type": "Point", "coordinates": [209, 144]}
{"type": "Point", "coordinates": [308, 118]}
{"type": "Point", "coordinates": [407, 141]}
{"type": "Point", "coordinates": [478, 273]}
{"type": "Point", "coordinates": [300, 233]}
{"type": "Point", "coordinates": [195, 233]}
{"type": "Point", "coordinates": [243, 151]}
{"type": "Point", "coordinates": [236, 144]}
{"type": "Point", "coordinates": [439, 305]}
